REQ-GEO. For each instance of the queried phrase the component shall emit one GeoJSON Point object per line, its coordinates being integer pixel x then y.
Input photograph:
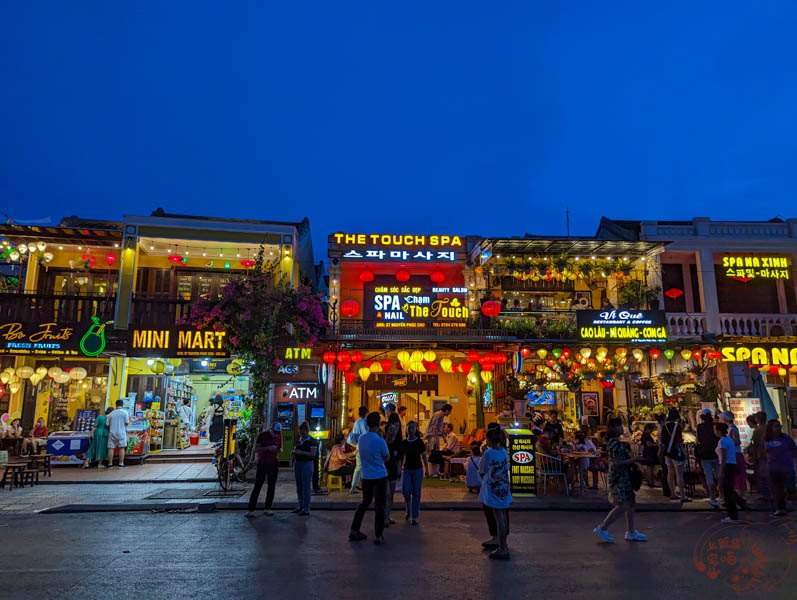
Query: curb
{"type": "Point", "coordinates": [209, 507]}
{"type": "Point", "coordinates": [127, 481]}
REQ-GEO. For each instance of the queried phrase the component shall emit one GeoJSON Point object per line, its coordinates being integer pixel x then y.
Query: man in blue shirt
{"type": "Point", "coordinates": [360, 427]}
{"type": "Point", "coordinates": [372, 452]}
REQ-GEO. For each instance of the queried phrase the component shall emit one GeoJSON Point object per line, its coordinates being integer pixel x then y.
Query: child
{"type": "Point", "coordinates": [472, 478]}
{"type": "Point", "coordinates": [585, 445]}
{"type": "Point", "coordinates": [495, 494]}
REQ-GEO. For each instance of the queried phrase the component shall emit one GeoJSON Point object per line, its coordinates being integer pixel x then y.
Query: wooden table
{"type": "Point", "coordinates": [574, 459]}
{"type": "Point", "coordinates": [42, 463]}
{"type": "Point", "coordinates": [15, 469]}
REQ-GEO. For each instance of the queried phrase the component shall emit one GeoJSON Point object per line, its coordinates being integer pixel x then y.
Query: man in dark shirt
{"type": "Point", "coordinates": [558, 431]}
{"type": "Point", "coordinates": [267, 446]}
{"type": "Point", "coordinates": [393, 438]}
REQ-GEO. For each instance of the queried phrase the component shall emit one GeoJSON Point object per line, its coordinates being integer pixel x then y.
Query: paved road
{"type": "Point", "coordinates": [223, 555]}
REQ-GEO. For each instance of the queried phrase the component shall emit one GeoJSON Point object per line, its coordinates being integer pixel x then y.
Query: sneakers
{"type": "Point", "coordinates": [603, 534]}
{"type": "Point", "coordinates": [379, 540]}
{"type": "Point", "coordinates": [357, 536]}
{"type": "Point", "coordinates": [123, 466]}
{"type": "Point", "coordinates": [101, 467]}
{"type": "Point", "coordinates": [249, 514]}
{"type": "Point", "coordinates": [414, 521]}
{"type": "Point", "coordinates": [635, 536]}
{"type": "Point", "coordinates": [728, 520]}
{"type": "Point", "coordinates": [296, 510]}
{"type": "Point", "coordinates": [499, 555]}
{"type": "Point", "coordinates": [778, 513]}
{"type": "Point", "coordinates": [714, 503]}
{"type": "Point", "coordinates": [268, 513]}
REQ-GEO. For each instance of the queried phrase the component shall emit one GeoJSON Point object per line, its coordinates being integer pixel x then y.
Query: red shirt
{"type": "Point", "coordinates": [268, 438]}
{"type": "Point", "coordinates": [40, 432]}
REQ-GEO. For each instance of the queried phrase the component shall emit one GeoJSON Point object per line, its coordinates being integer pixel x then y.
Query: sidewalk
{"type": "Point", "coordinates": [140, 492]}
{"type": "Point", "coordinates": [204, 472]}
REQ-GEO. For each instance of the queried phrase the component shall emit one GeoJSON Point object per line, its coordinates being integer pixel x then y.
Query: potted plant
{"type": "Point", "coordinates": [636, 293]}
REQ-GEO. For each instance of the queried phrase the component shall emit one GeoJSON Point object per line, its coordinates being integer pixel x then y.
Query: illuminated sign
{"type": "Point", "coordinates": [402, 247]}
{"type": "Point", "coordinates": [522, 462]}
{"type": "Point", "coordinates": [175, 342]}
{"type": "Point", "coordinates": [747, 267]}
{"type": "Point", "coordinates": [414, 304]}
{"type": "Point", "coordinates": [756, 355]}
{"type": "Point", "coordinates": [53, 338]}
{"type": "Point", "coordinates": [622, 325]}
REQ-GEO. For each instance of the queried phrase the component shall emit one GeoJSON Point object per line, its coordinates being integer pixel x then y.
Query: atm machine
{"type": "Point", "coordinates": [317, 418]}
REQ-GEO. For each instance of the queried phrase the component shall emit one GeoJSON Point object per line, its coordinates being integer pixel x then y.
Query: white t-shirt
{"type": "Point", "coordinates": [373, 454]}
{"type": "Point", "coordinates": [119, 421]}
{"type": "Point", "coordinates": [730, 449]}
{"type": "Point", "coordinates": [494, 468]}
{"type": "Point", "coordinates": [186, 414]}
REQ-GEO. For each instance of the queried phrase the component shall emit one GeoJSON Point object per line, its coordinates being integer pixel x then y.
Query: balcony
{"type": "Point", "coordinates": [692, 325]}
{"type": "Point", "coordinates": [61, 308]}
{"type": "Point", "coordinates": [159, 312]}
{"type": "Point", "coordinates": [538, 324]}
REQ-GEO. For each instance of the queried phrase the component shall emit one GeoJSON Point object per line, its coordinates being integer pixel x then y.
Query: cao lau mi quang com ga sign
{"type": "Point", "coordinates": [398, 247]}
{"type": "Point", "coordinates": [622, 325]}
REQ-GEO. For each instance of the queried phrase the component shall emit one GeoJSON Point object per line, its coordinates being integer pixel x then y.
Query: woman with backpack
{"type": "Point", "coordinates": [621, 489]}
{"type": "Point", "coordinates": [674, 453]}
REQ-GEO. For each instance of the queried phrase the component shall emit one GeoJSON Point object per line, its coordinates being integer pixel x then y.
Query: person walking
{"type": "Point", "coordinates": [740, 482]}
{"type": "Point", "coordinates": [118, 421]}
{"type": "Point", "coordinates": [621, 492]}
{"type": "Point", "coordinates": [761, 461]}
{"type": "Point", "coordinates": [393, 438]}
{"type": "Point", "coordinates": [373, 456]}
{"type": "Point", "coordinates": [434, 432]}
{"type": "Point", "coordinates": [304, 454]}
{"type": "Point", "coordinates": [359, 428]}
{"type": "Point", "coordinates": [665, 485]}
{"type": "Point", "coordinates": [674, 453]}
{"type": "Point", "coordinates": [726, 453]}
{"type": "Point", "coordinates": [98, 448]}
{"type": "Point", "coordinates": [495, 494]}
{"type": "Point", "coordinates": [706, 452]}
{"type": "Point", "coordinates": [268, 445]}
{"type": "Point", "coordinates": [780, 449]}
{"type": "Point", "coordinates": [216, 421]}
{"type": "Point", "coordinates": [413, 452]}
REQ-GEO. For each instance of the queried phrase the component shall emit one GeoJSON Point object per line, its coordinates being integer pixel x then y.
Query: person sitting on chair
{"type": "Point", "coordinates": [451, 448]}
{"type": "Point", "coordinates": [36, 438]}
{"type": "Point", "coordinates": [339, 461]}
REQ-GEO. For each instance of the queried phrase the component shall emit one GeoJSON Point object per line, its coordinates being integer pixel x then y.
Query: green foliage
{"type": "Point", "coordinates": [636, 293]}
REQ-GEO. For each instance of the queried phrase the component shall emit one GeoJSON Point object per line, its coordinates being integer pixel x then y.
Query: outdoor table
{"type": "Point", "coordinates": [15, 468]}
{"type": "Point", "coordinates": [573, 459]}
{"type": "Point", "coordinates": [41, 462]}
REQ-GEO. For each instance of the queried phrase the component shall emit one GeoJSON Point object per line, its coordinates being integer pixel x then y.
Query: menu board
{"type": "Point", "coordinates": [741, 409]}
{"type": "Point", "coordinates": [522, 463]}
{"type": "Point", "coordinates": [84, 420]}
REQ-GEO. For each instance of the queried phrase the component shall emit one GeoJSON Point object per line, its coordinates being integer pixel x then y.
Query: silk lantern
{"type": "Point", "coordinates": [349, 377]}
{"type": "Point", "coordinates": [654, 353]}
{"type": "Point", "coordinates": [78, 373]}
{"type": "Point", "coordinates": [365, 373]}
{"type": "Point", "coordinates": [525, 351]}
{"type": "Point", "coordinates": [686, 354]}
{"type": "Point", "coordinates": [669, 353]}
{"type": "Point", "coordinates": [429, 355]}
{"type": "Point", "coordinates": [344, 356]}
{"type": "Point", "coordinates": [367, 275]}
{"type": "Point", "coordinates": [486, 376]}
{"type": "Point", "coordinates": [472, 356]}
{"type": "Point", "coordinates": [445, 364]}
{"type": "Point", "coordinates": [110, 259]}
{"type": "Point", "coordinates": [696, 354]}
{"type": "Point", "coordinates": [465, 367]}
{"type": "Point", "coordinates": [542, 353]}
{"type": "Point", "coordinates": [53, 372]}
{"type": "Point", "coordinates": [602, 351]}
{"type": "Point", "coordinates": [585, 352]}
{"type": "Point", "coordinates": [356, 356]}
{"type": "Point", "coordinates": [402, 275]}
{"type": "Point", "coordinates": [344, 366]}
{"type": "Point", "coordinates": [25, 372]}
{"type": "Point", "coordinates": [621, 351]}
{"type": "Point", "coordinates": [637, 354]}
{"type": "Point", "coordinates": [557, 352]}
{"type": "Point", "coordinates": [416, 356]}
{"type": "Point", "coordinates": [349, 308]}
{"type": "Point", "coordinates": [42, 372]}
{"type": "Point", "coordinates": [491, 308]}
{"type": "Point", "coordinates": [403, 356]}
{"type": "Point", "coordinates": [386, 365]}
{"type": "Point", "coordinates": [437, 276]}
{"type": "Point", "coordinates": [375, 367]}
{"type": "Point", "coordinates": [329, 357]}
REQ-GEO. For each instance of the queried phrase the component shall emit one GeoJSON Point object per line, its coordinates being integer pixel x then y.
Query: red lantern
{"type": "Point", "coordinates": [487, 366]}
{"type": "Point", "coordinates": [773, 370]}
{"type": "Point", "coordinates": [432, 366]}
{"type": "Point", "coordinates": [248, 264]}
{"type": "Point", "coordinates": [465, 368]}
{"type": "Point", "coordinates": [525, 351]}
{"type": "Point", "coordinates": [398, 366]}
{"type": "Point", "coordinates": [456, 368]}
{"type": "Point", "coordinates": [344, 366]}
{"type": "Point", "coordinates": [499, 358]}
{"type": "Point", "coordinates": [566, 352]}
{"type": "Point", "coordinates": [349, 376]}
{"type": "Point", "coordinates": [713, 354]}
{"type": "Point", "coordinates": [176, 258]}
{"type": "Point", "coordinates": [386, 365]}
{"type": "Point", "coordinates": [328, 357]}
{"type": "Point", "coordinates": [110, 258]}
{"type": "Point", "coordinates": [368, 364]}
{"type": "Point", "coordinates": [349, 308]}
{"type": "Point", "coordinates": [472, 356]}
{"type": "Point", "coordinates": [654, 353]}
{"type": "Point", "coordinates": [367, 275]}
{"type": "Point", "coordinates": [356, 356]}
{"type": "Point", "coordinates": [344, 356]}
{"type": "Point", "coordinates": [697, 354]}
{"type": "Point", "coordinates": [491, 308]}
{"type": "Point", "coordinates": [437, 277]}
{"type": "Point", "coordinates": [402, 275]}
{"type": "Point", "coordinates": [550, 362]}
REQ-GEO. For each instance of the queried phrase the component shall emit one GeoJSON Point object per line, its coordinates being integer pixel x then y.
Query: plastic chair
{"type": "Point", "coordinates": [550, 466]}
{"type": "Point", "coordinates": [334, 482]}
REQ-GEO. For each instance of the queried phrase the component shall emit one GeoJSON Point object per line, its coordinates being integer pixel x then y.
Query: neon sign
{"type": "Point", "coordinates": [376, 239]}
{"type": "Point", "coordinates": [416, 306]}
{"type": "Point", "coordinates": [622, 325]}
{"type": "Point", "coordinates": [747, 267]}
{"type": "Point", "coordinates": [783, 356]}
{"type": "Point", "coordinates": [401, 247]}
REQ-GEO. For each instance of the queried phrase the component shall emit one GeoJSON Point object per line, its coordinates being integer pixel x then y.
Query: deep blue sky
{"type": "Point", "coordinates": [465, 117]}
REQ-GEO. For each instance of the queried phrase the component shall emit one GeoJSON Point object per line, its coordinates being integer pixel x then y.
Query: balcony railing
{"type": "Point", "coordinates": [538, 324]}
{"type": "Point", "coordinates": [758, 325]}
{"type": "Point", "coordinates": [73, 308]}
{"type": "Point", "coordinates": [686, 325]}
{"type": "Point", "coordinates": [159, 312]}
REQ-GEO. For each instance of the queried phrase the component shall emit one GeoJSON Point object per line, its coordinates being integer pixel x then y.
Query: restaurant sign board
{"type": "Point", "coordinates": [522, 462]}
{"type": "Point", "coordinates": [622, 325]}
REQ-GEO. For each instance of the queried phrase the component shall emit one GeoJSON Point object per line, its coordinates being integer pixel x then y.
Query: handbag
{"type": "Point", "coordinates": [636, 477]}
{"type": "Point", "coordinates": [679, 453]}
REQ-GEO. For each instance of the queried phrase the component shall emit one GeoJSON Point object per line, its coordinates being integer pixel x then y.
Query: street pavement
{"type": "Point", "coordinates": [127, 555]}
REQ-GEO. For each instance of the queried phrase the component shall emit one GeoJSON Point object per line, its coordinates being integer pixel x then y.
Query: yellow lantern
{"type": "Point", "coordinates": [375, 367]}
{"type": "Point", "coordinates": [405, 365]}
{"type": "Point", "coordinates": [365, 373]}
{"type": "Point", "coordinates": [487, 376]}
{"type": "Point", "coordinates": [686, 354]}
{"type": "Point", "coordinates": [159, 367]}
{"type": "Point", "coordinates": [62, 377]}
{"type": "Point", "coordinates": [25, 372]}
{"type": "Point", "coordinates": [4, 377]}
{"type": "Point", "coordinates": [403, 356]}
{"type": "Point", "coordinates": [416, 356]}
{"type": "Point", "coordinates": [429, 356]}
{"type": "Point", "coordinates": [445, 364]}
{"type": "Point", "coordinates": [35, 379]}
{"type": "Point", "coordinates": [41, 372]}
{"type": "Point", "coordinates": [601, 351]}
{"type": "Point", "coordinates": [14, 387]}
{"type": "Point", "coordinates": [53, 372]}
{"type": "Point", "coordinates": [77, 373]}
{"type": "Point", "coordinates": [638, 354]}
{"type": "Point", "coordinates": [234, 368]}
{"type": "Point", "coordinates": [542, 353]}
{"type": "Point", "coordinates": [782, 372]}
{"type": "Point", "coordinates": [416, 366]}
{"type": "Point", "coordinates": [621, 351]}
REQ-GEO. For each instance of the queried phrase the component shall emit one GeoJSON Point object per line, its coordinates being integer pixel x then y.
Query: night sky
{"type": "Point", "coordinates": [466, 117]}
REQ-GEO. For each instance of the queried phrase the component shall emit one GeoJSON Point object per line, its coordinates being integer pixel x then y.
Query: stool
{"type": "Point", "coordinates": [334, 482]}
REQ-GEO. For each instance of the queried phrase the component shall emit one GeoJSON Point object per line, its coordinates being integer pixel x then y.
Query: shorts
{"type": "Point", "coordinates": [711, 469]}
{"type": "Point", "coordinates": [114, 443]}
{"type": "Point", "coordinates": [674, 464]}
